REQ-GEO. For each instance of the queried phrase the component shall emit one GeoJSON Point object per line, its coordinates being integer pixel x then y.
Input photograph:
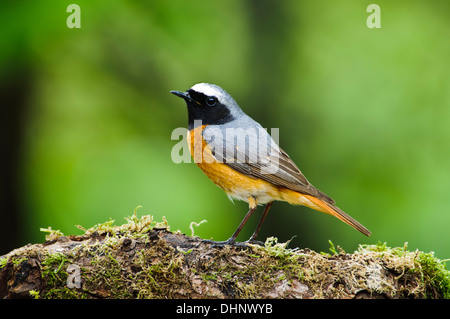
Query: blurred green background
{"type": "Point", "coordinates": [365, 113]}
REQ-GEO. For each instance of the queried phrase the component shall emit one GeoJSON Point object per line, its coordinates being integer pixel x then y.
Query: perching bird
{"type": "Point", "coordinates": [240, 157]}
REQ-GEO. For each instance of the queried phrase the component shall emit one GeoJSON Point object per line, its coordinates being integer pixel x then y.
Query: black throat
{"type": "Point", "coordinates": [202, 114]}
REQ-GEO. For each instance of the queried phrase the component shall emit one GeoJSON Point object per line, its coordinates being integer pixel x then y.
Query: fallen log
{"type": "Point", "coordinates": [144, 259]}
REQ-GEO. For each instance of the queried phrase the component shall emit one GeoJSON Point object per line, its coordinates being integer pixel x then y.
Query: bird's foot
{"type": "Point", "coordinates": [229, 242]}
{"type": "Point", "coordinates": [253, 241]}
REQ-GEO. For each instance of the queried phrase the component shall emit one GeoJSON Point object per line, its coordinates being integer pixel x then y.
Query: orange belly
{"type": "Point", "coordinates": [235, 184]}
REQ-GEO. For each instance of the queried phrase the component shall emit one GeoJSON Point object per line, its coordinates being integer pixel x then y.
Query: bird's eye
{"type": "Point", "coordinates": [211, 101]}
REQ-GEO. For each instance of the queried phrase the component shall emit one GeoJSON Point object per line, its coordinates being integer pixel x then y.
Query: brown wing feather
{"type": "Point", "coordinates": [288, 174]}
{"type": "Point", "coordinates": [258, 162]}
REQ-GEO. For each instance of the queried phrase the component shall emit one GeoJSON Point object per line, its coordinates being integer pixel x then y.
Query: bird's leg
{"type": "Point", "coordinates": [252, 239]}
{"type": "Point", "coordinates": [232, 239]}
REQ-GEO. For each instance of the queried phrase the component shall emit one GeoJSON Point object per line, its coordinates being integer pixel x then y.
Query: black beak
{"type": "Point", "coordinates": [183, 95]}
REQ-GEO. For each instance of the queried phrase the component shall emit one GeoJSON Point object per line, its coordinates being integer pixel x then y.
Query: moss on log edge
{"type": "Point", "coordinates": [144, 259]}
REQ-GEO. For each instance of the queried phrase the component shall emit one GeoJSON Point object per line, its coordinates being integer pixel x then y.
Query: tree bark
{"type": "Point", "coordinates": [154, 262]}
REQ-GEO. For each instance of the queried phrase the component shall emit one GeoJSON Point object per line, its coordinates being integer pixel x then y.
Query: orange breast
{"type": "Point", "coordinates": [237, 185]}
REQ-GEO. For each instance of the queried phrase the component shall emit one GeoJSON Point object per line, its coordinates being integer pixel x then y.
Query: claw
{"type": "Point", "coordinates": [230, 242]}
{"type": "Point", "coordinates": [254, 242]}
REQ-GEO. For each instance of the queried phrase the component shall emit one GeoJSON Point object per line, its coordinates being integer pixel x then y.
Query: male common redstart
{"type": "Point", "coordinates": [240, 157]}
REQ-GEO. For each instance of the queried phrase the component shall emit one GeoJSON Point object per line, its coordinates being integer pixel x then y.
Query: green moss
{"type": "Point", "coordinates": [3, 262]}
{"type": "Point", "coordinates": [137, 260]}
{"type": "Point", "coordinates": [103, 277]}
{"type": "Point", "coordinates": [34, 294]}
{"type": "Point", "coordinates": [52, 234]}
{"type": "Point", "coordinates": [434, 277]}
{"type": "Point", "coordinates": [53, 270]}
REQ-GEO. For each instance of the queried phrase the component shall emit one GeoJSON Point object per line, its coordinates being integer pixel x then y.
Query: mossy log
{"type": "Point", "coordinates": [142, 259]}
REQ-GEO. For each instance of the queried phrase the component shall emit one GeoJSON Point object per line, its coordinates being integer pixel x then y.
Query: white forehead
{"type": "Point", "coordinates": [223, 97]}
{"type": "Point", "coordinates": [210, 90]}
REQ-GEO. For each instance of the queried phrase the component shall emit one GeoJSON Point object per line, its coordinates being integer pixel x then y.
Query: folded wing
{"type": "Point", "coordinates": [258, 156]}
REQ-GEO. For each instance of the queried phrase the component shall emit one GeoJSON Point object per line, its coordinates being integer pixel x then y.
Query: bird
{"type": "Point", "coordinates": [239, 156]}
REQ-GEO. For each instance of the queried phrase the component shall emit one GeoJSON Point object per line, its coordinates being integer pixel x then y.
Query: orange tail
{"type": "Point", "coordinates": [336, 212]}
